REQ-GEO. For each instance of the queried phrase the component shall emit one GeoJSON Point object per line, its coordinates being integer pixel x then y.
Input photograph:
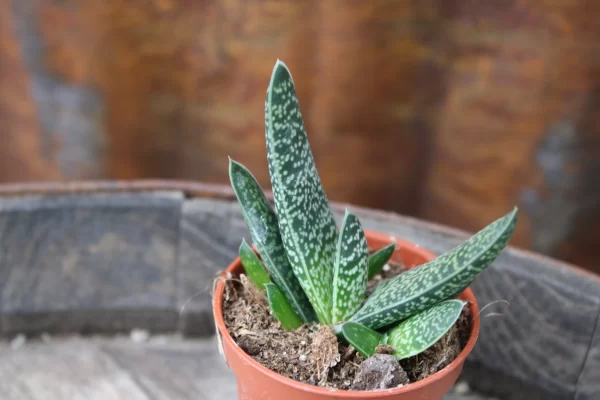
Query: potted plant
{"type": "Point", "coordinates": [307, 280]}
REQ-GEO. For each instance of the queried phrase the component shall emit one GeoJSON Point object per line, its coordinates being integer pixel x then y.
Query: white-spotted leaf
{"type": "Point", "coordinates": [262, 222]}
{"type": "Point", "coordinates": [306, 223]}
{"type": "Point", "coordinates": [423, 330]}
{"type": "Point", "coordinates": [443, 278]}
{"type": "Point", "coordinates": [350, 271]}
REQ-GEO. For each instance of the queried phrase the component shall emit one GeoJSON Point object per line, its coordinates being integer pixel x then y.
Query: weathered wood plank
{"type": "Point", "coordinates": [210, 237]}
{"type": "Point", "coordinates": [114, 261]}
{"type": "Point", "coordinates": [182, 370]}
{"type": "Point", "coordinates": [88, 263]}
{"type": "Point", "coordinates": [545, 336]}
{"type": "Point", "coordinates": [72, 370]}
{"type": "Point", "coordinates": [588, 387]}
{"type": "Point", "coordinates": [501, 385]}
{"type": "Point", "coordinates": [164, 368]}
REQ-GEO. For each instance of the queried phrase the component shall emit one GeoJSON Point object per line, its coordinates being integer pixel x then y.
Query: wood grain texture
{"type": "Point", "coordinates": [88, 263]}
{"type": "Point", "coordinates": [466, 108]}
{"type": "Point", "coordinates": [519, 124]}
{"type": "Point", "coordinates": [209, 242]}
{"type": "Point", "coordinates": [20, 129]}
{"type": "Point", "coordinates": [74, 370]}
{"type": "Point", "coordinates": [116, 260]}
{"type": "Point", "coordinates": [115, 369]}
{"type": "Point", "coordinates": [501, 385]}
{"type": "Point", "coordinates": [165, 368]}
{"type": "Point", "coordinates": [186, 370]}
{"type": "Point", "coordinates": [107, 103]}
{"type": "Point", "coordinates": [588, 386]}
{"type": "Point", "coordinates": [375, 110]}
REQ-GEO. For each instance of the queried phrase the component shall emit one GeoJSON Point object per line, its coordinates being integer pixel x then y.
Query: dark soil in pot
{"type": "Point", "coordinates": [313, 355]}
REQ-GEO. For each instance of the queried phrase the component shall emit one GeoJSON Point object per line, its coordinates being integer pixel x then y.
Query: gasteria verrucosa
{"type": "Point", "coordinates": [312, 272]}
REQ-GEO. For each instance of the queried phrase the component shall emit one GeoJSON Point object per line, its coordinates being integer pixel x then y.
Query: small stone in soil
{"type": "Point", "coordinates": [381, 371]}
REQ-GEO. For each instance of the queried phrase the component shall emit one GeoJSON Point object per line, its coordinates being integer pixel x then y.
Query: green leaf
{"type": "Point", "coordinates": [363, 339]}
{"type": "Point", "coordinates": [421, 331]}
{"type": "Point", "coordinates": [378, 260]}
{"type": "Point", "coordinates": [262, 222]}
{"type": "Point", "coordinates": [350, 273]}
{"type": "Point", "coordinates": [253, 267]}
{"type": "Point", "coordinates": [443, 278]}
{"type": "Point", "coordinates": [281, 308]}
{"type": "Point", "coordinates": [306, 223]}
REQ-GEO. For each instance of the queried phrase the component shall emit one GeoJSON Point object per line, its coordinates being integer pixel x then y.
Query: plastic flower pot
{"type": "Point", "coordinates": [255, 382]}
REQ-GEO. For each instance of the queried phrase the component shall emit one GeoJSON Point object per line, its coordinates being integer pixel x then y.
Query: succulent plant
{"type": "Point", "coordinates": [319, 274]}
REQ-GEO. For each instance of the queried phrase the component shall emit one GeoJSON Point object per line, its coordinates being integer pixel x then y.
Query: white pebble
{"type": "Point", "coordinates": [303, 343]}
{"type": "Point", "coordinates": [387, 267]}
{"type": "Point", "coordinates": [462, 388]}
{"type": "Point", "coordinates": [18, 341]}
{"type": "Point", "coordinates": [139, 335]}
{"type": "Point", "coordinates": [302, 357]}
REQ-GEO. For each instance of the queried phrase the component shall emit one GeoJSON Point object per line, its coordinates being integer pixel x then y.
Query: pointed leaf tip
{"type": "Point", "coordinates": [299, 196]}
{"type": "Point", "coordinates": [443, 278]}
{"type": "Point", "coordinates": [350, 269]}
{"type": "Point", "coordinates": [378, 259]}
{"type": "Point", "coordinates": [280, 72]}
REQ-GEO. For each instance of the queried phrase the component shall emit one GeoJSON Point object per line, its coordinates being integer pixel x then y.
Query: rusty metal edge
{"type": "Point", "coordinates": [193, 189]}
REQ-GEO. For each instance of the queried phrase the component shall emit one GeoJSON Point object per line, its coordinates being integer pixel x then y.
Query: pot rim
{"type": "Point", "coordinates": [467, 295]}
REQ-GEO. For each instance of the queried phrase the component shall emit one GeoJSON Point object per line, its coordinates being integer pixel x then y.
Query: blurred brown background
{"type": "Point", "coordinates": [452, 111]}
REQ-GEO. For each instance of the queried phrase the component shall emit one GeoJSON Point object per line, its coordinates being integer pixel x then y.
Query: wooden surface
{"type": "Point", "coordinates": [519, 123]}
{"type": "Point", "coordinates": [589, 380]}
{"type": "Point", "coordinates": [114, 260]}
{"type": "Point", "coordinates": [164, 368]}
{"type": "Point", "coordinates": [89, 263]}
{"type": "Point", "coordinates": [449, 110]}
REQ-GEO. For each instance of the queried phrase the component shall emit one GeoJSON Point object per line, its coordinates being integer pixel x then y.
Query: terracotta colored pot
{"type": "Point", "coordinates": [256, 382]}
